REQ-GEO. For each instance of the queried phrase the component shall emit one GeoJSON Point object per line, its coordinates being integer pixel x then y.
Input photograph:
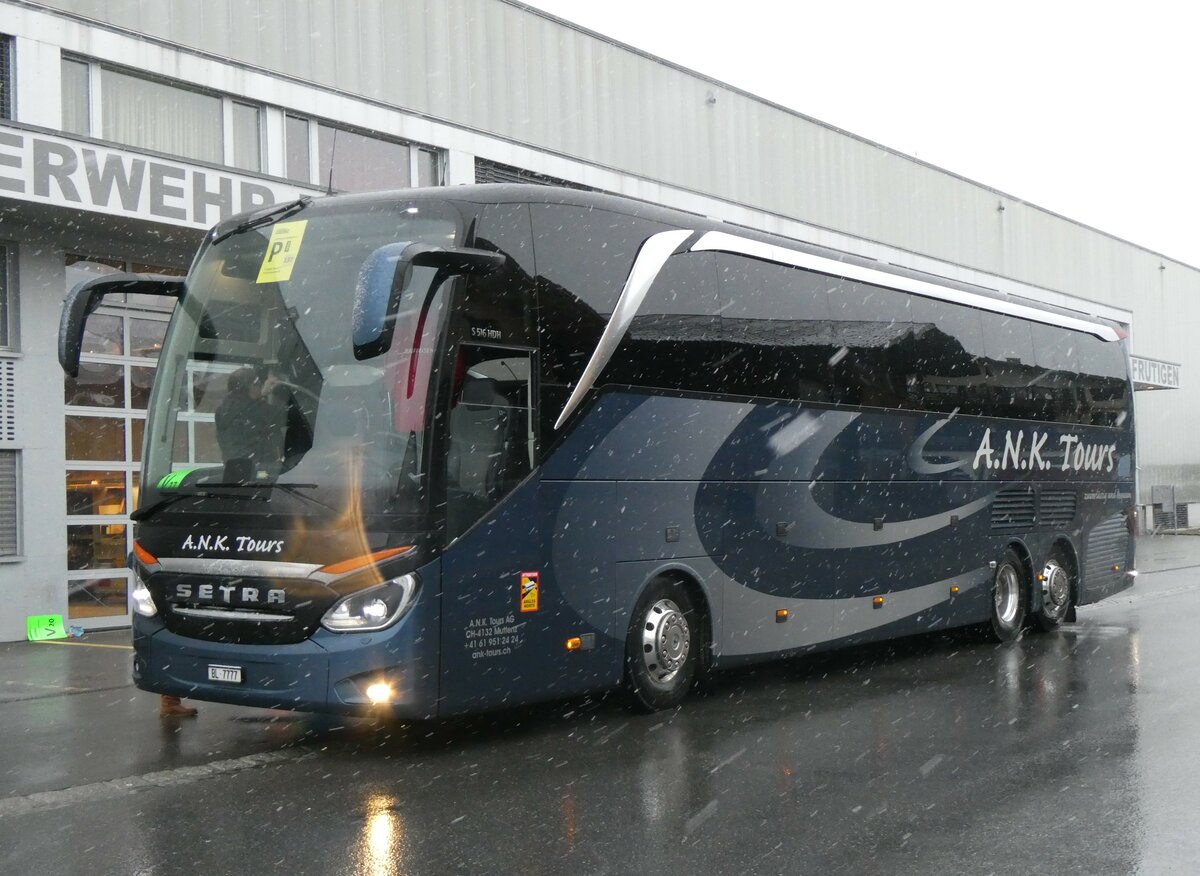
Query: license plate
{"type": "Point", "coordinates": [228, 674]}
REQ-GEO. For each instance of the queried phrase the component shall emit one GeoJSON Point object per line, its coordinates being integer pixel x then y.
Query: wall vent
{"type": "Point", "coordinates": [8, 401]}
{"type": "Point", "coordinates": [494, 172]}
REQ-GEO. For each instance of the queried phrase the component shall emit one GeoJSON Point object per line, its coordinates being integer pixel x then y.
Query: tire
{"type": "Point", "coordinates": [1054, 594]}
{"type": "Point", "coordinates": [1010, 586]}
{"type": "Point", "coordinates": [663, 647]}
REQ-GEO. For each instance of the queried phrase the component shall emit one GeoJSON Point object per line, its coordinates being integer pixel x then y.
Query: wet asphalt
{"type": "Point", "coordinates": [1073, 752]}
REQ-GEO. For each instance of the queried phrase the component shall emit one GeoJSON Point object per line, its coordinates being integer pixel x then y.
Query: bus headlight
{"type": "Point", "coordinates": [374, 608]}
{"type": "Point", "coordinates": [143, 604]}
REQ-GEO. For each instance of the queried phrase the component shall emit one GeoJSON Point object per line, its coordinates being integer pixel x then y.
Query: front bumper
{"type": "Point", "coordinates": [328, 672]}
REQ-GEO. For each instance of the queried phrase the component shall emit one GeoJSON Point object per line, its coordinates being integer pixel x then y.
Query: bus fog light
{"type": "Point", "coordinates": [380, 693]}
{"type": "Point", "coordinates": [143, 603]}
{"type": "Point", "coordinates": [375, 608]}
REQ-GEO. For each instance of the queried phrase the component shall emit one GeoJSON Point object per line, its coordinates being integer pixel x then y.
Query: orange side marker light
{"type": "Point", "coordinates": [144, 555]}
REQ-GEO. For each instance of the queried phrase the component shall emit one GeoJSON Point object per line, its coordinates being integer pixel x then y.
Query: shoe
{"type": "Point", "coordinates": [173, 707]}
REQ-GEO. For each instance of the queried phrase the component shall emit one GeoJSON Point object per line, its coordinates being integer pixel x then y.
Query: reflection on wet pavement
{"type": "Point", "coordinates": [1067, 752]}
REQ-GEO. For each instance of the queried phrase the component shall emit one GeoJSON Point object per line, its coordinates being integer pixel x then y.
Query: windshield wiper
{"type": "Point", "coordinates": [291, 489]}
{"type": "Point", "coordinates": [270, 217]}
{"type": "Point", "coordinates": [151, 510]}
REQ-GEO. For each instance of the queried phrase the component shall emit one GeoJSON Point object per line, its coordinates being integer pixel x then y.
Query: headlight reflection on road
{"type": "Point", "coordinates": [382, 850]}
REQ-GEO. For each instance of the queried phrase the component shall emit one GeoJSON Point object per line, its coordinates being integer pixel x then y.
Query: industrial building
{"type": "Point", "coordinates": [127, 129]}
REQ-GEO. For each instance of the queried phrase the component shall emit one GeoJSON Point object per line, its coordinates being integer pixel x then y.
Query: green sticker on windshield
{"type": "Point", "coordinates": [174, 479]}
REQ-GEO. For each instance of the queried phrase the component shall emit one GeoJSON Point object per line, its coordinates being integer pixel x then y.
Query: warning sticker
{"type": "Point", "coordinates": [282, 250]}
{"type": "Point", "coordinates": [529, 591]}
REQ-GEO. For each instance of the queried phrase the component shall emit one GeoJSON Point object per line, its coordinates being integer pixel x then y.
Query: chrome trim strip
{"type": "Point", "coordinates": [233, 614]}
{"type": "Point", "coordinates": [655, 251]}
{"type": "Point", "coordinates": [239, 568]}
{"type": "Point", "coordinates": [720, 241]}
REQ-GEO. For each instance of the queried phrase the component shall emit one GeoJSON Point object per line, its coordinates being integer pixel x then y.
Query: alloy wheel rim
{"type": "Point", "coordinates": [1007, 595]}
{"type": "Point", "coordinates": [1056, 591]}
{"type": "Point", "coordinates": [666, 641]}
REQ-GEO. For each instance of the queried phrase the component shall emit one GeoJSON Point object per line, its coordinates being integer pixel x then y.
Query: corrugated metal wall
{"type": "Point", "coordinates": [505, 70]}
{"type": "Point", "coordinates": [499, 68]}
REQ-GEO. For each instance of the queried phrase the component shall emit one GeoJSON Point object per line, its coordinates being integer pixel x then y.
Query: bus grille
{"type": "Point", "coordinates": [239, 623]}
{"type": "Point", "coordinates": [1013, 509]}
{"type": "Point", "coordinates": [1057, 507]}
{"type": "Point", "coordinates": [1107, 549]}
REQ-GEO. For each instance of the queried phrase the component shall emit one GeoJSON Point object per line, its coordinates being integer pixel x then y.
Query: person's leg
{"type": "Point", "coordinates": [173, 707]}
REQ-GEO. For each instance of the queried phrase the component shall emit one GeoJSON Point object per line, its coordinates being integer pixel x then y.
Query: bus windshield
{"type": "Point", "coordinates": [259, 390]}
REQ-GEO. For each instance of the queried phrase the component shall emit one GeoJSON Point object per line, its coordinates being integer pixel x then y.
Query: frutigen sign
{"type": "Point", "coordinates": [49, 169]}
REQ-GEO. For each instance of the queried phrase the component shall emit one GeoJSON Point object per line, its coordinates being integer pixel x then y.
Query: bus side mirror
{"type": "Point", "coordinates": [382, 279]}
{"type": "Point", "coordinates": [88, 295]}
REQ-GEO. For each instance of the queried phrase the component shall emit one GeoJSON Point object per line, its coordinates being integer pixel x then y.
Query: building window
{"type": "Point", "coordinates": [104, 424]}
{"type": "Point", "coordinates": [160, 116]}
{"type": "Point", "coordinates": [6, 78]}
{"type": "Point", "coordinates": [245, 124]}
{"type": "Point", "coordinates": [76, 115]}
{"type": "Point", "coordinates": [10, 531]}
{"type": "Point", "coordinates": [8, 292]}
{"type": "Point", "coordinates": [163, 118]}
{"type": "Point", "coordinates": [295, 135]}
{"type": "Point", "coordinates": [351, 161]}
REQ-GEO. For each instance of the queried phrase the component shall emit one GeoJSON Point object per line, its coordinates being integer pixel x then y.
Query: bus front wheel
{"type": "Point", "coordinates": [1009, 588]}
{"type": "Point", "coordinates": [662, 651]}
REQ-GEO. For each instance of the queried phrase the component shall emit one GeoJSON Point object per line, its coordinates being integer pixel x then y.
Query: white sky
{"type": "Point", "coordinates": [1086, 109]}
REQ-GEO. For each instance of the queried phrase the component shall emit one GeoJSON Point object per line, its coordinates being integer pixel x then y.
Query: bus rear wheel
{"type": "Point", "coordinates": [1009, 589]}
{"type": "Point", "coordinates": [1056, 592]}
{"type": "Point", "coordinates": [662, 651]}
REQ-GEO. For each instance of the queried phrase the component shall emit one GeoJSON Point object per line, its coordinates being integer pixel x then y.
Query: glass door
{"type": "Point", "coordinates": [105, 420]}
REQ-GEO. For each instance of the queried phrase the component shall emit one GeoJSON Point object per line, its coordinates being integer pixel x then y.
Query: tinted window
{"type": "Point", "coordinates": [583, 257]}
{"type": "Point", "coordinates": [500, 306]}
{"type": "Point", "coordinates": [947, 370]}
{"type": "Point", "coordinates": [674, 341]}
{"type": "Point", "coordinates": [1103, 381]}
{"type": "Point", "coordinates": [873, 343]}
{"type": "Point", "coordinates": [1056, 351]}
{"type": "Point", "coordinates": [1011, 371]}
{"type": "Point", "coordinates": [776, 326]}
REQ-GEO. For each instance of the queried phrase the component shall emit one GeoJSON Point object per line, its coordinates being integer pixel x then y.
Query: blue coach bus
{"type": "Point", "coordinates": [440, 451]}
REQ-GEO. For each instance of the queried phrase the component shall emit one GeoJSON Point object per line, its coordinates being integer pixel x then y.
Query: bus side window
{"type": "Point", "coordinates": [1102, 381]}
{"type": "Point", "coordinates": [1056, 352]}
{"type": "Point", "coordinates": [491, 432]}
{"type": "Point", "coordinates": [873, 337]}
{"type": "Point", "coordinates": [776, 330]}
{"type": "Point", "coordinates": [948, 370]}
{"type": "Point", "coordinates": [1012, 373]}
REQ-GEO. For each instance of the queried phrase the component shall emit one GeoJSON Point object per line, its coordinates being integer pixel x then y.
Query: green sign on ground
{"type": "Point", "coordinates": [45, 626]}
